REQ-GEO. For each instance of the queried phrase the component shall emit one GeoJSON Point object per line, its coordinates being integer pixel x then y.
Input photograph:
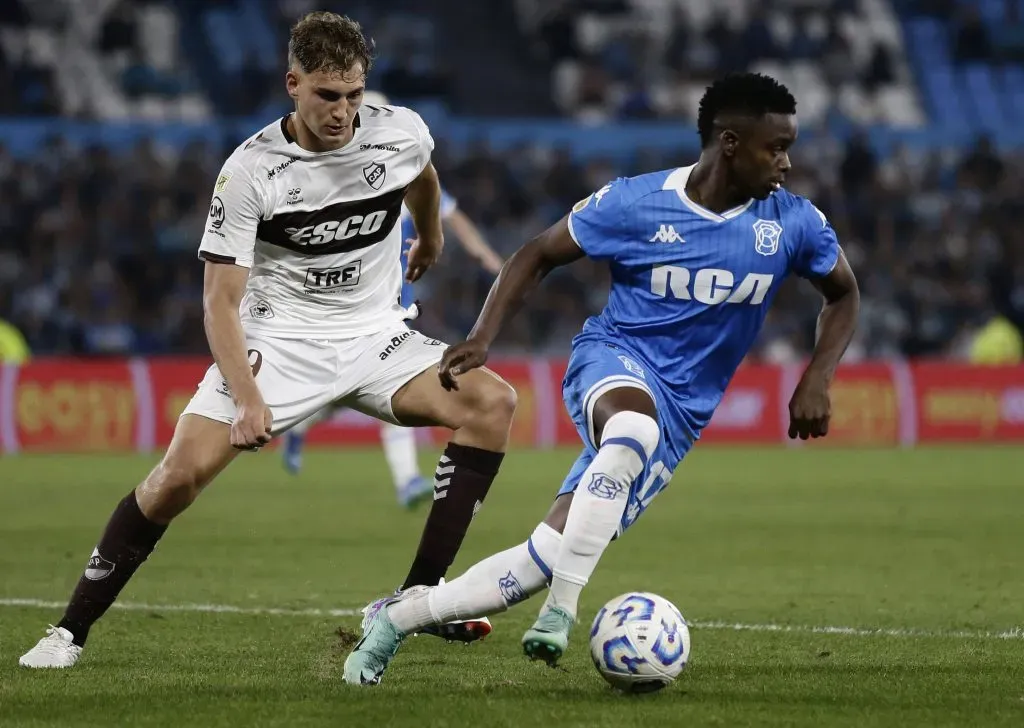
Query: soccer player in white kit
{"type": "Point", "coordinates": [301, 287]}
{"type": "Point", "coordinates": [399, 443]}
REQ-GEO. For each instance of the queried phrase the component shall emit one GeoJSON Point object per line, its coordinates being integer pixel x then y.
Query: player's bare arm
{"type": "Point", "coordinates": [223, 287]}
{"type": "Point", "coordinates": [522, 273]}
{"type": "Point", "coordinates": [473, 242]}
{"type": "Point", "coordinates": [810, 407]}
{"type": "Point", "coordinates": [423, 198]}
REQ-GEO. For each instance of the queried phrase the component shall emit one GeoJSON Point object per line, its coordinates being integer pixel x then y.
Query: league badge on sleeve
{"type": "Point", "coordinates": [582, 203]}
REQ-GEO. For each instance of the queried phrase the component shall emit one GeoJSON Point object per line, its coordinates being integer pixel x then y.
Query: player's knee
{"type": "Point", "coordinates": [171, 488]}
{"type": "Point", "coordinates": [632, 427]}
{"type": "Point", "coordinates": [497, 403]}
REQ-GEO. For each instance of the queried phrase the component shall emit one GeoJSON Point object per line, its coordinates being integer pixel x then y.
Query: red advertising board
{"type": "Point", "coordinates": [70, 405]}
{"type": "Point", "coordinates": [957, 403]}
{"type": "Point", "coordinates": [865, 406]}
{"type": "Point", "coordinates": [74, 405]}
{"type": "Point", "coordinates": [172, 382]}
{"type": "Point", "coordinates": [750, 409]}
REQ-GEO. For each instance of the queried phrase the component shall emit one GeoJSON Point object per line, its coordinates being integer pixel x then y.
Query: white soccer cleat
{"type": "Point", "coordinates": [55, 650]}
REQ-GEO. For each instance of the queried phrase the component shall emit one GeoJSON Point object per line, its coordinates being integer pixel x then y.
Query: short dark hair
{"type": "Point", "coordinates": [324, 41]}
{"type": "Point", "coordinates": [745, 94]}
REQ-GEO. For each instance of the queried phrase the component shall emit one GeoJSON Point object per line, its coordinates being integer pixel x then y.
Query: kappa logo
{"type": "Point", "coordinates": [511, 590]}
{"type": "Point", "coordinates": [766, 236]}
{"type": "Point", "coordinates": [667, 234]}
{"type": "Point", "coordinates": [601, 193]}
{"type": "Point", "coordinates": [98, 567]}
{"type": "Point", "coordinates": [374, 174]}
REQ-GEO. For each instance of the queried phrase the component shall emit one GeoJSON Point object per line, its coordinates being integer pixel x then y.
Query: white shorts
{"type": "Point", "coordinates": [298, 377]}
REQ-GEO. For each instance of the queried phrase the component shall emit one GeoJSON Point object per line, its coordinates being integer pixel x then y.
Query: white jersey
{"type": "Point", "coordinates": [319, 230]}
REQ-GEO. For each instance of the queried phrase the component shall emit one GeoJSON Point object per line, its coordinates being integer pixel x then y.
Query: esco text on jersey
{"type": "Point", "coordinates": [331, 230]}
{"type": "Point", "coordinates": [710, 286]}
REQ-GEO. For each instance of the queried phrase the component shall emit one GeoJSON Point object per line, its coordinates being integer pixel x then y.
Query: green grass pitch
{"type": "Point", "coordinates": [765, 551]}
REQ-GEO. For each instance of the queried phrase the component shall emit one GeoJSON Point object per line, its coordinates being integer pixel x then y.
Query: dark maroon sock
{"type": "Point", "coordinates": [463, 477]}
{"type": "Point", "coordinates": [127, 541]}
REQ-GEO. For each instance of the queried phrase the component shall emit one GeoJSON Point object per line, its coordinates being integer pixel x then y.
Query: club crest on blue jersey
{"type": "Point", "coordinates": [632, 367]}
{"type": "Point", "coordinates": [767, 234]}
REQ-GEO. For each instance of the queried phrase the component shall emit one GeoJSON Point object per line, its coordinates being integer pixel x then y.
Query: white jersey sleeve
{"type": "Point", "coordinates": [235, 212]}
{"type": "Point", "coordinates": [426, 141]}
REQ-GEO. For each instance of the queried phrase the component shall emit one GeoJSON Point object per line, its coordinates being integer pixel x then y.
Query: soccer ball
{"type": "Point", "coordinates": [639, 642]}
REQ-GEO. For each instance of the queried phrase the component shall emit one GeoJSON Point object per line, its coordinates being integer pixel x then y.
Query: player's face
{"type": "Point", "coordinates": [762, 156]}
{"type": "Point", "coordinates": [326, 103]}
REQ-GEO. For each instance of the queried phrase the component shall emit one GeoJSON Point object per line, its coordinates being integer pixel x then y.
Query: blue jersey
{"type": "Point", "coordinates": [448, 206]}
{"type": "Point", "coordinates": [690, 287]}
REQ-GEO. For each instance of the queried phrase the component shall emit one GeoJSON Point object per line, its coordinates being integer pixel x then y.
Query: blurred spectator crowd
{"type": "Point", "coordinates": [99, 251]}
{"type": "Point", "coordinates": [185, 59]}
{"type": "Point", "coordinates": [632, 59]}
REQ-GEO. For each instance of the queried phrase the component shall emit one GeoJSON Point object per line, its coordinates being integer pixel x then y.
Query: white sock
{"type": "Point", "coordinates": [627, 442]}
{"type": "Point", "coordinates": [489, 586]}
{"type": "Point", "coordinates": [400, 452]}
{"type": "Point", "coordinates": [319, 416]}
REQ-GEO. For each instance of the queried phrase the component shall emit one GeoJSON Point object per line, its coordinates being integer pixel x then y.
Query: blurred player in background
{"type": "Point", "coordinates": [400, 442]}
{"type": "Point", "coordinates": [697, 254]}
{"type": "Point", "coordinates": [300, 301]}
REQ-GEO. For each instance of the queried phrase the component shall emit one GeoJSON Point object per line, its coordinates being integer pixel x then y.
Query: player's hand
{"type": "Point", "coordinates": [458, 360]}
{"type": "Point", "coordinates": [424, 251]}
{"type": "Point", "coordinates": [251, 428]}
{"type": "Point", "coordinates": [810, 408]}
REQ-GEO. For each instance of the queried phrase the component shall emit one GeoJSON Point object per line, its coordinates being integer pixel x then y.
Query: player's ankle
{"type": "Point", "coordinates": [79, 630]}
{"type": "Point", "coordinates": [565, 593]}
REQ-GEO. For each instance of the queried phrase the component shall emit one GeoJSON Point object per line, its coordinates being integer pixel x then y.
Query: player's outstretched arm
{"type": "Point", "coordinates": [519, 276]}
{"type": "Point", "coordinates": [810, 407]}
{"type": "Point", "coordinates": [471, 239]}
{"type": "Point", "coordinates": [223, 287]}
{"type": "Point", "coordinates": [423, 198]}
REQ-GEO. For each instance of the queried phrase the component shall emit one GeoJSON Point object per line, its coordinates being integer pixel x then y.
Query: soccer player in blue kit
{"type": "Point", "coordinates": [696, 255]}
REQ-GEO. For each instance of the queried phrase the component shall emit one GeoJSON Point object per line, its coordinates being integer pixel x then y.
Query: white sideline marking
{"type": "Point", "coordinates": [1016, 633]}
{"type": "Point", "coordinates": [208, 608]}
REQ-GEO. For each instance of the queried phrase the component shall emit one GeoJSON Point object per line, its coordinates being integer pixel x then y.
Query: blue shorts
{"type": "Point", "coordinates": [596, 367]}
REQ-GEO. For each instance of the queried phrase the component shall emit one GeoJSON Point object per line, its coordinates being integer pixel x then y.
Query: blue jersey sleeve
{"type": "Point", "coordinates": [818, 250]}
{"type": "Point", "coordinates": [598, 223]}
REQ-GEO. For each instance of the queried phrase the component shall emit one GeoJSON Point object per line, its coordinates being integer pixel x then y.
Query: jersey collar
{"type": "Point", "coordinates": [356, 123]}
{"type": "Point", "coordinates": [676, 181]}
